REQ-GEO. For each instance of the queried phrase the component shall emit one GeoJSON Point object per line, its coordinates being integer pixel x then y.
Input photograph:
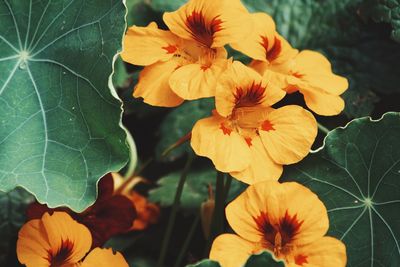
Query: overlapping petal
{"type": "Point", "coordinates": [231, 250]}
{"type": "Point", "coordinates": [104, 258]}
{"type": "Point", "coordinates": [288, 133]}
{"type": "Point", "coordinates": [262, 167]}
{"type": "Point", "coordinates": [210, 23]}
{"type": "Point", "coordinates": [215, 138]}
{"type": "Point", "coordinates": [153, 85]}
{"type": "Point", "coordinates": [144, 46]}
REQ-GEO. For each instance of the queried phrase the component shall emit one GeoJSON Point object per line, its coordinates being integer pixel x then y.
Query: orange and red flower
{"type": "Point", "coordinates": [245, 136]}
{"type": "Point", "coordinates": [58, 240]}
{"type": "Point", "coordinates": [110, 214]}
{"type": "Point", "coordinates": [287, 219]}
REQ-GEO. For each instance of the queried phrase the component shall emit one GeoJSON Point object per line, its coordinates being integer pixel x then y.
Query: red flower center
{"type": "Point", "coordinates": [281, 234]}
{"type": "Point", "coordinates": [61, 256]}
{"type": "Point", "coordinates": [201, 30]}
{"type": "Point", "coordinates": [253, 96]}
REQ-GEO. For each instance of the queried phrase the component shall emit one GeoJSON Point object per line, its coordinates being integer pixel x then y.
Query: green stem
{"type": "Point", "coordinates": [322, 128]}
{"type": "Point", "coordinates": [174, 211]}
{"type": "Point", "coordinates": [133, 159]}
{"type": "Point", "coordinates": [187, 241]}
{"type": "Point", "coordinates": [217, 223]}
{"type": "Point", "coordinates": [227, 187]}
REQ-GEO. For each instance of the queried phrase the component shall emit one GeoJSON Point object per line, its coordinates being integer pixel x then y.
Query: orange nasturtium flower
{"type": "Point", "coordinates": [185, 62]}
{"type": "Point", "coordinates": [245, 136]}
{"type": "Point", "coordinates": [58, 240]}
{"type": "Point", "coordinates": [308, 72]}
{"type": "Point", "coordinates": [287, 219]}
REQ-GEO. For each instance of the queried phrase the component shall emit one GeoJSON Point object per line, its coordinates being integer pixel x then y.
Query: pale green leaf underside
{"type": "Point", "coordinates": [60, 124]}
{"type": "Point", "coordinates": [264, 259]}
{"type": "Point", "coordinates": [357, 175]}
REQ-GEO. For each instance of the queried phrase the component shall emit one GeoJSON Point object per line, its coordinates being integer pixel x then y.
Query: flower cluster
{"type": "Point", "coordinates": [245, 136]}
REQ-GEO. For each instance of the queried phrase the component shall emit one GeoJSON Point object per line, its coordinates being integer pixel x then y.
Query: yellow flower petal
{"type": "Point", "coordinates": [215, 138]}
{"type": "Point", "coordinates": [231, 250]}
{"type": "Point", "coordinates": [288, 134]}
{"type": "Point", "coordinates": [241, 87]}
{"type": "Point", "coordinates": [104, 258]}
{"type": "Point", "coordinates": [326, 252]}
{"type": "Point", "coordinates": [196, 81]}
{"type": "Point", "coordinates": [322, 103]}
{"type": "Point", "coordinates": [53, 239]}
{"type": "Point", "coordinates": [320, 87]}
{"type": "Point", "coordinates": [317, 72]}
{"type": "Point", "coordinates": [210, 23]}
{"type": "Point", "coordinates": [256, 199]}
{"type": "Point", "coordinates": [262, 166]}
{"type": "Point", "coordinates": [153, 85]}
{"type": "Point", "coordinates": [259, 41]}
{"type": "Point", "coordinates": [146, 45]}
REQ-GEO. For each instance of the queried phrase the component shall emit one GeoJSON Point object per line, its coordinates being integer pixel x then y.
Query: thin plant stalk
{"type": "Point", "coordinates": [186, 244]}
{"type": "Point", "coordinates": [174, 211]}
{"type": "Point", "coordinates": [322, 128]}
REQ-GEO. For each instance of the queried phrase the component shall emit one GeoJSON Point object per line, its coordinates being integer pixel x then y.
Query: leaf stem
{"type": "Point", "coordinates": [322, 128]}
{"type": "Point", "coordinates": [217, 223]}
{"type": "Point", "coordinates": [133, 159]}
{"type": "Point", "coordinates": [187, 241]}
{"type": "Point", "coordinates": [174, 211]}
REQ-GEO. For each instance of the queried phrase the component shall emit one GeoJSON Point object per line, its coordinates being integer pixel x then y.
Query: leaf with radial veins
{"type": "Point", "coordinates": [357, 175]}
{"type": "Point", "coordinates": [60, 123]}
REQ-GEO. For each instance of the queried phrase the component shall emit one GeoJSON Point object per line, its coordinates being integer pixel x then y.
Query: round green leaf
{"type": "Point", "coordinates": [357, 175]}
{"type": "Point", "coordinates": [60, 123]}
{"type": "Point", "coordinates": [205, 263]}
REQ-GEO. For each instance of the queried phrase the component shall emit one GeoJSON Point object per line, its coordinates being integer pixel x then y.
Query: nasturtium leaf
{"type": "Point", "coordinates": [385, 11]}
{"type": "Point", "coordinates": [264, 259]}
{"type": "Point", "coordinates": [360, 50]}
{"type": "Point", "coordinates": [195, 190]}
{"type": "Point", "coordinates": [60, 121]}
{"type": "Point", "coordinates": [179, 123]}
{"type": "Point", "coordinates": [140, 13]}
{"type": "Point", "coordinates": [12, 216]}
{"type": "Point", "coordinates": [357, 175]}
{"type": "Point", "coordinates": [205, 263]}
{"type": "Point", "coordinates": [166, 6]}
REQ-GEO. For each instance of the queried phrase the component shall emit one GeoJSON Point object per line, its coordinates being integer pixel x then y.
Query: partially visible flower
{"type": "Point", "coordinates": [110, 214]}
{"type": "Point", "coordinates": [175, 68]}
{"type": "Point", "coordinates": [147, 213]}
{"type": "Point", "coordinates": [248, 138]}
{"type": "Point", "coordinates": [212, 24]}
{"type": "Point", "coordinates": [104, 258]}
{"type": "Point", "coordinates": [287, 219]}
{"type": "Point", "coordinates": [308, 72]}
{"type": "Point", "coordinates": [59, 241]}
